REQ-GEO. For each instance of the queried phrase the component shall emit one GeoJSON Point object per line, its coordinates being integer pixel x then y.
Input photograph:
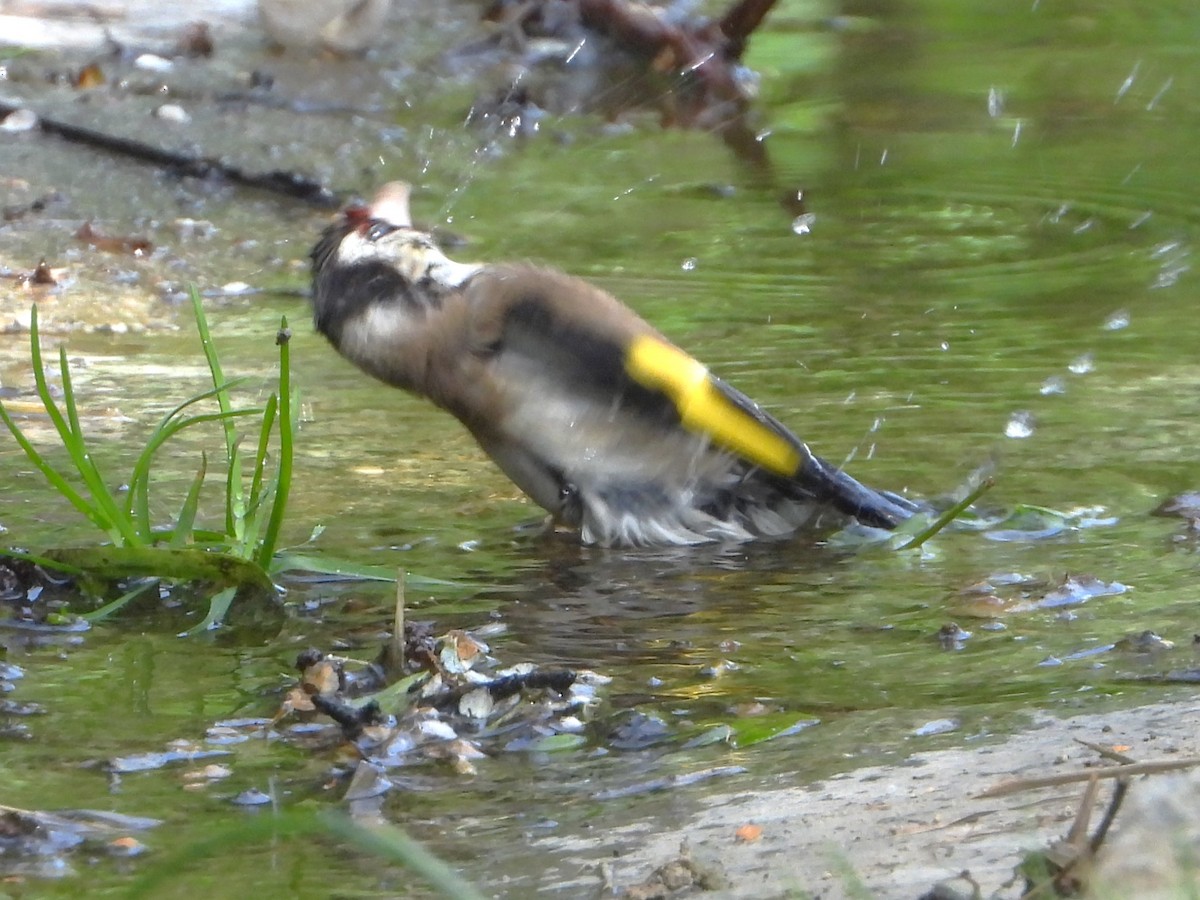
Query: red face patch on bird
{"type": "Point", "coordinates": [357, 216]}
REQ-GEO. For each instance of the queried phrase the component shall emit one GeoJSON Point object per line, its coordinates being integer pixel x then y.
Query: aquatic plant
{"type": "Point", "coordinates": [240, 556]}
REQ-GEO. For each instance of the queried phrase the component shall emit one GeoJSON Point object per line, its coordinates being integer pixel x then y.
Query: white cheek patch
{"type": "Point", "coordinates": [354, 248]}
{"type": "Point", "coordinates": [412, 253]}
{"type": "Point", "coordinates": [379, 327]}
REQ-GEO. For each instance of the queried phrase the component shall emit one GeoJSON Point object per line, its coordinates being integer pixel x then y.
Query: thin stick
{"type": "Point", "coordinates": [951, 514]}
{"type": "Point", "coordinates": [1016, 785]}
{"type": "Point", "coordinates": [397, 655]}
{"type": "Point", "coordinates": [1077, 836]}
{"type": "Point", "coordinates": [1107, 753]}
{"type": "Point", "coordinates": [291, 184]}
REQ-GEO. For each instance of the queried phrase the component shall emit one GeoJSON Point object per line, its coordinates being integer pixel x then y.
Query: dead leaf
{"type": "Point", "coordinates": [748, 833]}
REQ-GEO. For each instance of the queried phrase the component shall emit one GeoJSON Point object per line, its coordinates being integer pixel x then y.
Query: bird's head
{"type": "Point", "coordinates": [372, 257]}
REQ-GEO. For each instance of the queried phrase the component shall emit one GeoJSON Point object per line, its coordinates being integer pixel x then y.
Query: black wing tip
{"type": "Point", "coordinates": [879, 509]}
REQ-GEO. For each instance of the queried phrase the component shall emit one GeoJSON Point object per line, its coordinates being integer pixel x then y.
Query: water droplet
{"type": "Point", "coordinates": [1162, 90]}
{"type": "Point", "coordinates": [1128, 82]}
{"type": "Point", "coordinates": [1020, 425]}
{"type": "Point", "coordinates": [803, 223]}
{"type": "Point", "coordinates": [1053, 385]}
{"type": "Point", "coordinates": [1082, 364]}
{"type": "Point", "coordinates": [689, 264]}
{"type": "Point", "coordinates": [1117, 321]}
{"type": "Point", "coordinates": [995, 102]}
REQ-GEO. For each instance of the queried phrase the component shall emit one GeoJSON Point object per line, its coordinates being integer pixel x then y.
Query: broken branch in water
{"type": "Point", "coordinates": [290, 184]}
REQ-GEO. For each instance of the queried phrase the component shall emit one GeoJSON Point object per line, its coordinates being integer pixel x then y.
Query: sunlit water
{"type": "Point", "coordinates": [994, 270]}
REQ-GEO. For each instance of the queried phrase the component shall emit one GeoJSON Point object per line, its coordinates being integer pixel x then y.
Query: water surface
{"type": "Point", "coordinates": [1003, 207]}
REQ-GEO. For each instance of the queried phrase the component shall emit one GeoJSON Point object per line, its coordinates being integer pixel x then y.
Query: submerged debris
{"type": "Point", "coordinates": [678, 876]}
{"type": "Point", "coordinates": [37, 842]}
{"type": "Point", "coordinates": [135, 246]}
{"type": "Point", "coordinates": [1010, 592]}
{"type": "Point", "coordinates": [452, 704]}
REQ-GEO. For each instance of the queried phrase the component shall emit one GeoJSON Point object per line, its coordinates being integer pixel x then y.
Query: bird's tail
{"type": "Point", "coordinates": [881, 509]}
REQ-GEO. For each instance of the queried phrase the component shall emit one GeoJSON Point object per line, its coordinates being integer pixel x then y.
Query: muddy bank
{"type": "Point", "coordinates": [895, 831]}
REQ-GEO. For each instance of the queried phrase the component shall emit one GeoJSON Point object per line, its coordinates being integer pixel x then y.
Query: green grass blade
{"type": "Point", "coordinates": [218, 607]}
{"type": "Point", "coordinates": [283, 472]}
{"type": "Point", "coordinates": [39, 379]}
{"type": "Point", "coordinates": [199, 398]}
{"type": "Point", "coordinates": [235, 500]}
{"type": "Point", "coordinates": [234, 481]}
{"type": "Point", "coordinates": [85, 464]}
{"type": "Point", "coordinates": [304, 827]}
{"type": "Point", "coordinates": [255, 522]}
{"type": "Point", "coordinates": [950, 515]}
{"type": "Point", "coordinates": [341, 568]}
{"type": "Point", "coordinates": [139, 481]}
{"type": "Point", "coordinates": [260, 457]}
{"type": "Point", "coordinates": [68, 439]}
{"type": "Point", "coordinates": [187, 513]}
{"type": "Point", "coordinates": [52, 475]}
{"type": "Point", "coordinates": [220, 390]}
{"type": "Point", "coordinates": [120, 603]}
{"type": "Point", "coordinates": [390, 842]}
{"type": "Point", "coordinates": [138, 491]}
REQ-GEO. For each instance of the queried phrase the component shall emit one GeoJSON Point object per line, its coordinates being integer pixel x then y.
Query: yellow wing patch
{"type": "Point", "coordinates": [703, 408]}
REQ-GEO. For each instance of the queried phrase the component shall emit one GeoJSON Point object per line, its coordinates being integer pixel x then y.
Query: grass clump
{"type": "Point", "coordinates": [242, 554]}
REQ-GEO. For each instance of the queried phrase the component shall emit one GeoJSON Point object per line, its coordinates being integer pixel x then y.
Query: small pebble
{"type": "Point", "coordinates": [173, 112]}
{"type": "Point", "coordinates": [19, 120]}
{"type": "Point", "coordinates": [152, 62]}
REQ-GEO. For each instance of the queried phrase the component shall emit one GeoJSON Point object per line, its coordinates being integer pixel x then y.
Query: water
{"type": "Point", "coordinates": [986, 195]}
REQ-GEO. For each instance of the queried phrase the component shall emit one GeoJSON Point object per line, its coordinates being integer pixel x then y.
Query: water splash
{"type": "Point", "coordinates": [1021, 424]}
{"type": "Point", "coordinates": [1082, 364]}
{"type": "Point", "coordinates": [995, 102]}
{"type": "Point", "coordinates": [1117, 320]}
{"type": "Point", "coordinates": [803, 223]}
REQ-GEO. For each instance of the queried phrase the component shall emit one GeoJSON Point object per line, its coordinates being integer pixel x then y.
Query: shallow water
{"type": "Point", "coordinates": [1003, 208]}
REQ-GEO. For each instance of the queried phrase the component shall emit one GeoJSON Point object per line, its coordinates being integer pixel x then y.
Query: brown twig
{"type": "Point", "coordinates": [1016, 785]}
{"type": "Point", "coordinates": [1107, 752]}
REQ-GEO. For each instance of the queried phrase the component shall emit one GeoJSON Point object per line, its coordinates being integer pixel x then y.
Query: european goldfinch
{"type": "Point", "coordinates": [594, 414]}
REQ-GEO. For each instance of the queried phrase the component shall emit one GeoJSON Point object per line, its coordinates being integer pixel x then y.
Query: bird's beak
{"type": "Point", "coordinates": [390, 204]}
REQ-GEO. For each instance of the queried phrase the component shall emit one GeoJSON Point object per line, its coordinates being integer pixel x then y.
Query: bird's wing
{"type": "Point", "coordinates": [575, 340]}
{"type": "Point", "coordinates": [707, 405]}
{"type": "Point", "coordinates": [574, 355]}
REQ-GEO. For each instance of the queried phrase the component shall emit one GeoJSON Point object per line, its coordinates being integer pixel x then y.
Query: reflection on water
{"type": "Point", "coordinates": [995, 268]}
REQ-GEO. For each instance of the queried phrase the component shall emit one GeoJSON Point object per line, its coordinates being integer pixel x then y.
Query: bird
{"type": "Point", "coordinates": [620, 435]}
